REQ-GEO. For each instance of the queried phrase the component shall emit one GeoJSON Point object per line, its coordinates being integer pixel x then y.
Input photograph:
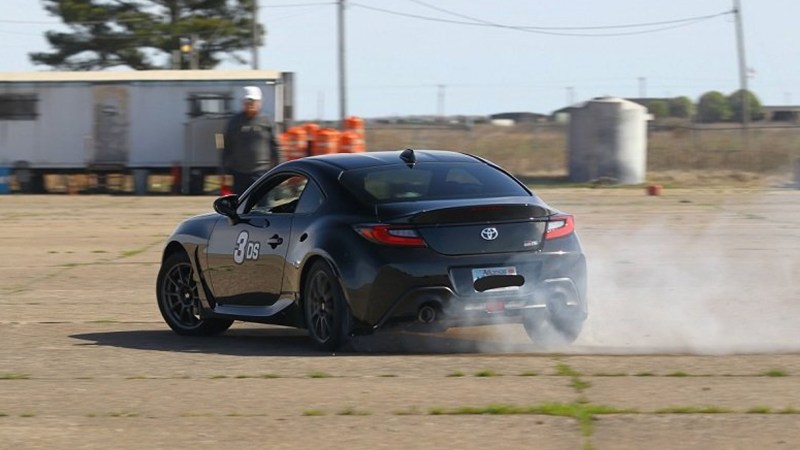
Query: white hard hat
{"type": "Point", "coordinates": [252, 93]}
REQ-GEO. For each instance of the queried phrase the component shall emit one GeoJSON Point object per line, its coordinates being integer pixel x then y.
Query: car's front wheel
{"type": "Point", "coordinates": [178, 300]}
{"type": "Point", "coordinates": [326, 311]}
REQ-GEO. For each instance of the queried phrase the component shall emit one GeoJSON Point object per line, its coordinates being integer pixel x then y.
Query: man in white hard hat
{"type": "Point", "coordinates": [250, 148]}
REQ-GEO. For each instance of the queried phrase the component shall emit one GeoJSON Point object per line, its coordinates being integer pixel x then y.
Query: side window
{"type": "Point", "coordinates": [209, 104]}
{"type": "Point", "coordinates": [281, 198]}
{"type": "Point", "coordinates": [18, 106]}
{"type": "Point", "coordinates": [311, 199]}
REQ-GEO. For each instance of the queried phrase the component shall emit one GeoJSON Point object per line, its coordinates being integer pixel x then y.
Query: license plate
{"type": "Point", "coordinates": [490, 271]}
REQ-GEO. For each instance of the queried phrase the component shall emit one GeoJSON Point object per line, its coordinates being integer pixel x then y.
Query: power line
{"type": "Point", "coordinates": [472, 21]}
{"type": "Point", "coordinates": [547, 30]}
{"type": "Point", "coordinates": [596, 27]}
{"type": "Point", "coordinates": [452, 13]}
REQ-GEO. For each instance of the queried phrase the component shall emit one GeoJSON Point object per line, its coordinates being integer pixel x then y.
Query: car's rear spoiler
{"type": "Point", "coordinates": [463, 211]}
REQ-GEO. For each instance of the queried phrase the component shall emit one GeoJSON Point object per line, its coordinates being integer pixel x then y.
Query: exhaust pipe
{"type": "Point", "coordinates": [427, 314]}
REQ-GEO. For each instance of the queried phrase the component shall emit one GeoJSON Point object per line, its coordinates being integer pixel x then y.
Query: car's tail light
{"type": "Point", "coordinates": [559, 226]}
{"type": "Point", "coordinates": [391, 235]}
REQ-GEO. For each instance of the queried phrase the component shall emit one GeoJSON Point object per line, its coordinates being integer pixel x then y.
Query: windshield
{"type": "Point", "coordinates": [430, 181]}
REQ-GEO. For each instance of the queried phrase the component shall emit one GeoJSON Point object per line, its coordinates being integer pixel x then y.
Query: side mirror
{"type": "Point", "coordinates": [226, 205]}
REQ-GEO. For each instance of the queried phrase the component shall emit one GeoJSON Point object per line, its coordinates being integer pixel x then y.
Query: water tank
{"type": "Point", "coordinates": [608, 139]}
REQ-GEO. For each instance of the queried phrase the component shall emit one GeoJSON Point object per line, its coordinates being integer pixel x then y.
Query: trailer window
{"type": "Point", "coordinates": [209, 104]}
{"type": "Point", "coordinates": [18, 106]}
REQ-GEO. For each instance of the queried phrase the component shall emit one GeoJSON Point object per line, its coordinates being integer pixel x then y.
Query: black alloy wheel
{"type": "Point", "coordinates": [326, 311]}
{"type": "Point", "coordinates": [179, 302]}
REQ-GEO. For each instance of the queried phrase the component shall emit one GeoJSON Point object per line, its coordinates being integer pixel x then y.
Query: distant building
{"type": "Point", "coordinates": [784, 113]}
{"type": "Point", "coordinates": [520, 117]}
{"type": "Point", "coordinates": [561, 115]}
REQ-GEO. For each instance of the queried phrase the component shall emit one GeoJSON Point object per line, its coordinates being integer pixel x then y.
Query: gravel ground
{"type": "Point", "coordinates": [692, 342]}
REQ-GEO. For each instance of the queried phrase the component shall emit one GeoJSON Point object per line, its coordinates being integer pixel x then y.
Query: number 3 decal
{"type": "Point", "coordinates": [245, 249]}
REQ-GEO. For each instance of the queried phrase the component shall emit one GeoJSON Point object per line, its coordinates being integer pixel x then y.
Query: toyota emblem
{"type": "Point", "coordinates": [489, 234]}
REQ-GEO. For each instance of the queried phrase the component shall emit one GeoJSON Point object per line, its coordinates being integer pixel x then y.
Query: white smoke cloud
{"type": "Point", "coordinates": [671, 275]}
{"type": "Point", "coordinates": [698, 283]}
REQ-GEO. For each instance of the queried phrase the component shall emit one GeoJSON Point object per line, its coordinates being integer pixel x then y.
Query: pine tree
{"type": "Point", "coordinates": [143, 34]}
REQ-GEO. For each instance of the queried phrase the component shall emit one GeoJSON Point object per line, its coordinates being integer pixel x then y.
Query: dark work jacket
{"type": "Point", "coordinates": [250, 144]}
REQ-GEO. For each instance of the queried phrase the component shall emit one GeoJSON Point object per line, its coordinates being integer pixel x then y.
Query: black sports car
{"type": "Point", "coordinates": [346, 244]}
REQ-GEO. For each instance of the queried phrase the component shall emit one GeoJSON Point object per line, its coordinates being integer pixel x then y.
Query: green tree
{"type": "Point", "coordinates": [681, 107]}
{"type": "Point", "coordinates": [753, 105]}
{"type": "Point", "coordinates": [713, 107]}
{"type": "Point", "coordinates": [658, 108]}
{"type": "Point", "coordinates": [143, 34]}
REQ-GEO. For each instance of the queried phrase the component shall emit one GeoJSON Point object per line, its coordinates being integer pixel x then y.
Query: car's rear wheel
{"type": "Point", "coordinates": [326, 311]}
{"type": "Point", "coordinates": [179, 302]}
{"type": "Point", "coordinates": [548, 332]}
{"type": "Point", "coordinates": [558, 325]}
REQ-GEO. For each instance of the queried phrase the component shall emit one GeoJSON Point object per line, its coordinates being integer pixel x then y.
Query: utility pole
{"type": "Point", "coordinates": [737, 10]}
{"type": "Point", "coordinates": [440, 102]}
{"type": "Point", "coordinates": [320, 105]}
{"type": "Point", "coordinates": [342, 71]}
{"type": "Point", "coordinates": [186, 47]}
{"type": "Point", "coordinates": [255, 35]}
{"type": "Point", "coordinates": [194, 62]}
{"type": "Point", "coordinates": [570, 95]}
{"type": "Point", "coordinates": [642, 87]}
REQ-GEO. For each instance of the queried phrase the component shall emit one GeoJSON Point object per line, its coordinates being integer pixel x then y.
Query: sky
{"type": "Point", "coordinates": [485, 64]}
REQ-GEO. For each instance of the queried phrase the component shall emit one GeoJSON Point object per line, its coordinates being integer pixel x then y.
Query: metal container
{"type": "Point", "coordinates": [607, 140]}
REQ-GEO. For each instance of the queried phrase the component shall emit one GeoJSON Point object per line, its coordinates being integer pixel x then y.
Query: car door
{"type": "Point", "coordinates": [246, 260]}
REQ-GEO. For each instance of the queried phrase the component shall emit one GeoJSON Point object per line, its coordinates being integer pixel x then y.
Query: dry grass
{"type": "Point", "coordinates": [523, 149]}
{"type": "Point", "coordinates": [678, 154]}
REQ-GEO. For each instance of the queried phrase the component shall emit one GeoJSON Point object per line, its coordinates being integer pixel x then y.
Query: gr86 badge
{"type": "Point", "coordinates": [245, 248]}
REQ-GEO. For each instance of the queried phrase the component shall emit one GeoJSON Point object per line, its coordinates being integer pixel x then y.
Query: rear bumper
{"type": "Point", "coordinates": [386, 286]}
{"type": "Point", "coordinates": [441, 307]}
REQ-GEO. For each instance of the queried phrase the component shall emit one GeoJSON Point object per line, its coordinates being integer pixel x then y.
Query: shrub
{"type": "Point", "coordinates": [713, 107]}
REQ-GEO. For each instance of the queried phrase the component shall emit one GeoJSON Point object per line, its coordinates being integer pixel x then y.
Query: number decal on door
{"type": "Point", "coordinates": [245, 248]}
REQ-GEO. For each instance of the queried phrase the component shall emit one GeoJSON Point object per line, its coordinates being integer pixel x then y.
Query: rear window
{"type": "Point", "coordinates": [430, 181]}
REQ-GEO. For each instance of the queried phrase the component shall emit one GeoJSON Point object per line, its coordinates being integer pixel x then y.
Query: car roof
{"type": "Point", "coordinates": [349, 161]}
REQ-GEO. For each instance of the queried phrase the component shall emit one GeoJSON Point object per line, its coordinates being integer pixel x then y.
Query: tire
{"type": "Point", "coordinates": [549, 333]}
{"type": "Point", "coordinates": [327, 314]}
{"type": "Point", "coordinates": [179, 302]}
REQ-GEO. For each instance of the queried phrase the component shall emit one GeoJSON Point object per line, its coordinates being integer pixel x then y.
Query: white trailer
{"type": "Point", "coordinates": [136, 121]}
